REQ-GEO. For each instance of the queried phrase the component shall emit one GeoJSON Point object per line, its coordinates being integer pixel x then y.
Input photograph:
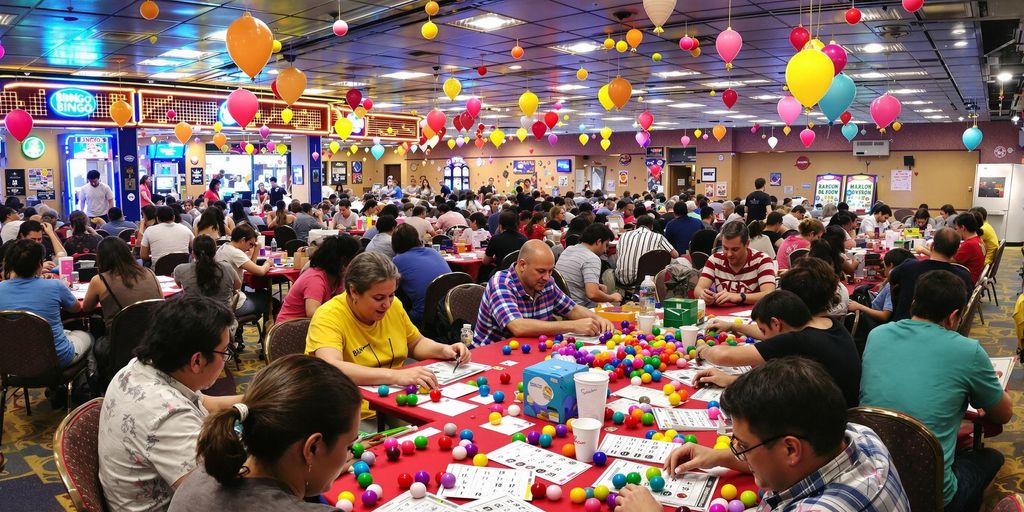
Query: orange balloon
{"type": "Point", "coordinates": [183, 131]}
{"type": "Point", "coordinates": [149, 10]}
{"type": "Point", "coordinates": [517, 52]}
{"type": "Point", "coordinates": [219, 139]}
{"type": "Point", "coordinates": [250, 44]}
{"type": "Point", "coordinates": [619, 90]}
{"type": "Point", "coordinates": [121, 112]}
{"type": "Point", "coordinates": [718, 131]}
{"type": "Point", "coordinates": [633, 37]}
{"type": "Point", "coordinates": [431, 8]}
{"type": "Point", "coordinates": [290, 84]}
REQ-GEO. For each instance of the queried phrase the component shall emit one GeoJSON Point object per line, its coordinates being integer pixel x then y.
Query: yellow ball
{"type": "Point", "coordinates": [494, 418]}
{"type": "Point", "coordinates": [721, 446]}
{"type": "Point", "coordinates": [601, 492]}
{"type": "Point", "coordinates": [656, 57]}
{"type": "Point", "coordinates": [609, 43]}
{"type": "Point", "coordinates": [514, 344]}
{"type": "Point", "coordinates": [346, 495]}
{"type": "Point", "coordinates": [669, 389]}
{"type": "Point", "coordinates": [671, 434]}
{"type": "Point", "coordinates": [549, 343]}
{"type": "Point", "coordinates": [581, 74]}
{"type": "Point", "coordinates": [610, 345]}
{"type": "Point", "coordinates": [276, 46]}
{"type": "Point", "coordinates": [480, 460]}
{"type": "Point", "coordinates": [729, 491]}
{"type": "Point", "coordinates": [549, 430]}
{"type": "Point", "coordinates": [428, 30]}
{"type": "Point", "coordinates": [674, 399]}
{"type": "Point", "coordinates": [617, 338]}
{"type": "Point", "coordinates": [519, 396]}
{"type": "Point", "coordinates": [568, 424]}
{"type": "Point", "coordinates": [646, 378]}
{"type": "Point", "coordinates": [658, 436]}
{"type": "Point", "coordinates": [578, 495]}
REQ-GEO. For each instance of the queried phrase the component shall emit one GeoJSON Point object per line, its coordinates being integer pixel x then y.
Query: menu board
{"type": "Point", "coordinates": [41, 182]}
{"type": "Point", "coordinates": [860, 191]}
{"type": "Point", "coordinates": [339, 172]}
{"type": "Point", "coordinates": [828, 188]}
{"type": "Point", "coordinates": [14, 182]}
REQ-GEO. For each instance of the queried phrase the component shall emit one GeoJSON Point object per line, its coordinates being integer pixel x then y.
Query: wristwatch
{"type": "Point", "coordinates": [743, 298]}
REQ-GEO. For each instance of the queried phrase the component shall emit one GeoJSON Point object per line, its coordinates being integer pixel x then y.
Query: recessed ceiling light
{"type": "Point", "coordinates": [405, 75]}
{"type": "Point", "coordinates": [273, 72]}
{"type": "Point", "coordinates": [656, 101]}
{"type": "Point", "coordinates": [577, 48]}
{"type": "Point", "coordinates": [385, 104]}
{"type": "Point", "coordinates": [182, 53]}
{"type": "Point", "coordinates": [617, 118]}
{"type": "Point", "coordinates": [161, 62]}
{"type": "Point", "coordinates": [1005, 76]}
{"type": "Point", "coordinates": [741, 116]}
{"type": "Point", "coordinates": [569, 87]}
{"type": "Point", "coordinates": [959, 31]}
{"type": "Point", "coordinates": [717, 112]}
{"type": "Point", "coordinates": [316, 91]}
{"type": "Point", "coordinates": [960, 44]}
{"type": "Point", "coordinates": [170, 75]}
{"type": "Point", "coordinates": [494, 116]}
{"type": "Point", "coordinates": [684, 104]}
{"type": "Point", "coordinates": [675, 74]}
{"type": "Point", "coordinates": [766, 97]}
{"type": "Point", "coordinates": [668, 87]}
{"type": "Point", "coordinates": [936, 117]}
{"type": "Point", "coordinates": [98, 73]}
{"type": "Point", "coordinates": [874, 48]}
{"type": "Point", "coordinates": [928, 110]}
{"type": "Point", "coordinates": [350, 83]}
{"type": "Point", "coordinates": [460, 97]}
{"type": "Point", "coordinates": [486, 22]}
{"type": "Point", "coordinates": [755, 81]}
{"type": "Point", "coordinates": [666, 123]}
{"type": "Point", "coordinates": [515, 67]}
{"type": "Point", "coordinates": [870, 75]}
{"type": "Point", "coordinates": [917, 102]}
{"type": "Point", "coordinates": [961, 118]}
{"type": "Point", "coordinates": [723, 84]}
{"type": "Point", "coordinates": [7, 19]}
{"type": "Point", "coordinates": [907, 91]}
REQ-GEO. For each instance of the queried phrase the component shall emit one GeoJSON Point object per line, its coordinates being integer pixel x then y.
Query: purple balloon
{"type": "Point", "coordinates": [552, 139]}
{"type": "Point", "coordinates": [838, 56]}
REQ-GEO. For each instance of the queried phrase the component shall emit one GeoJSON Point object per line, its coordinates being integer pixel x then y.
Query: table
{"type": "Point", "coordinates": [167, 286]}
{"type": "Point", "coordinates": [470, 266]}
{"type": "Point", "coordinates": [264, 282]}
{"type": "Point", "coordinates": [433, 459]}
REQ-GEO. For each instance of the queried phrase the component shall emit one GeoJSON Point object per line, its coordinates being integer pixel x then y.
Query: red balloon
{"type": "Point", "coordinates": [845, 117]}
{"type": "Point", "coordinates": [480, 127]}
{"type": "Point", "coordinates": [467, 120]}
{"type": "Point", "coordinates": [913, 5]}
{"type": "Point", "coordinates": [479, 143]}
{"type": "Point", "coordinates": [436, 120]}
{"type": "Point", "coordinates": [538, 129]}
{"type": "Point", "coordinates": [482, 70]}
{"type": "Point", "coordinates": [273, 87]}
{"type": "Point", "coordinates": [457, 122]}
{"type": "Point", "coordinates": [853, 15]}
{"type": "Point", "coordinates": [441, 131]}
{"type": "Point", "coordinates": [798, 37]}
{"type": "Point", "coordinates": [353, 97]}
{"type": "Point", "coordinates": [655, 171]}
{"type": "Point", "coordinates": [367, 103]}
{"type": "Point", "coordinates": [729, 97]}
{"type": "Point", "coordinates": [551, 119]}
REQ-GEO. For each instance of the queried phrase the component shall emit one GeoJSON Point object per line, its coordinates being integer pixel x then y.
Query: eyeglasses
{"type": "Point", "coordinates": [741, 455]}
{"type": "Point", "coordinates": [228, 354]}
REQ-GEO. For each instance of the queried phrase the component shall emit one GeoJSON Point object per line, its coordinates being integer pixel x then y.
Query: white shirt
{"type": "Point", "coordinates": [868, 225]}
{"type": "Point", "coordinates": [166, 237]}
{"type": "Point", "coordinates": [790, 221]}
{"type": "Point", "coordinates": [340, 221]}
{"type": "Point", "coordinates": [476, 237]}
{"type": "Point", "coordinates": [422, 225]}
{"type": "Point", "coordinates": [233, 256]}
{"type": "Point", "coordinates": [95, 201]}
{"type": "Point", "coordinates": [10, 230]}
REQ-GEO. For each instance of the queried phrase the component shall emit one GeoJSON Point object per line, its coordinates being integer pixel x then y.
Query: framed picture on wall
{"type": "Point", "coordinates": [709, 174]}
{"type": "Point", "coordinates": [775, 179]}
{"type": "Point", "coordinates": [297, 171]}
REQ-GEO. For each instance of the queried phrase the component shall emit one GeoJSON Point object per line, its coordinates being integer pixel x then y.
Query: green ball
{"type": "Point", "coordinates": [519, 387]}
{"type": "Point", "coordinates": [364, 479]}
{"type": "Point", "coordinates": [655, 330]}
{"type": "Point", "coordinates": [579, 345]}
{"type": "Point", "coordinates": [473, 383]}
{"type": "Point", "coordinates": [731, 343]}
{"type": "Point", "coordinates": [357, 450]}
{"type": "Point", "coordinates": [518, 436]}
{"type": "Point", "coordinates": [690, 438]}
{"type": "Point", "coordinates": [420, 442]}
{"type": "Point", "coordinates": [647, 419]}
{"type": "Point", "coordinates": [633, 478]}
{"type": "Point", "coordinates": [749, 498]}
{"type": "Point", "coordinates": [653, 472]}
{"type": "Point", "coordinates": [709, 343]}
{"type": "Point", "coordinates": [401, 399]}
{"type": "Point", "coordinates": [412, 399]}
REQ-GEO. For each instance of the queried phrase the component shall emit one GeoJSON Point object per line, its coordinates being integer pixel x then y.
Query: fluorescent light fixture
{"type": "Point", "coordinates": [717, 112]}
{"type": "Point", "coordinates": [723, 84]}
{"type": "Point", "coordinates": [755, 81]}
{"type": "Point", "coordinates": [1005, 76]}
{"type": "Point", "coordinates": [273, 72]}
{"type": "Point", "coordinates": [961, 118]}
{"type": "Point", "coordinates": [871, 75]}
{"type": "Point", "coordinates": [766, 97]}
{"type": "Point", "coordinates": [928, 110]}
{"type": "Point", "coordinates": [936, 117]}
{"type": "Point", "coordinates": [658, 101]}
{"type": "Point", "coordinates": [907, 91]}
{"type": "Point", "coordinates": [316, 91]}
{"type": "Point", "coordinates": [569, 87]}
{"type": "Point", "coordinates": [385, 104]}
{"type": "Point", "coordinates": [617, 118]}
{"type": "Point", "coordinates": [675, 74]}
{"type": "Point", "coordinates": [666, 123]}
{"type": "Point", "coordinates": [220, 35]}
{"type": "Point", "coordinates": [6, 19]}
{"type": "Point", "coordinates": [591, 113]}
{"type": "Point", "coordinates": [515, 67]}
{"type": "Point", "coordinates": [98, 73]}
{"type": "Point", "coordinates": [351, 83]}
{"type": "Point", "coordinates": [494, 116]}
{"type": "Point", "coordinates": [741, 116]}
{"type": "Point", "coordinates": [405, 75]}
{"type": "Point", "coordinates": [161, 62]}
{"type": "Point", "coordinates": [668, 87]}
{"type": "Point", "coordinates": [960, 44]}
{"type": "Point", "coordinates": [684, 104]}
{"type": "Point", "coordinates": [486, 22]}
{"type": "Point", "coordinates": [460, 97]}
{"type": "Point", "coordinates": [959, 31]}
{"type": "Point", "coordinates": [577, 48]}
{"type": "Point", "coordinates": [917, 102]}
{"type": "Point", "coordinates": [182, 53]}
{"type": "Point", "coordinates": [169, 75]}
{"type": "Point", "coordinates": [874, 48]}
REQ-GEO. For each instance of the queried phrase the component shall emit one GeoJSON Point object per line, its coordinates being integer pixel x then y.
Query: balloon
{"type": "Point", "coordinates": [897, 125]}
{"type": "Point", "coordinates": [335, 147]}
{"type": "Point", "coordinates": [467, 120]}
{"type": "Point", "coordinates": [552, 139]}
{"type": "Point", "coordinates": [645, 119]}
{"type": "Point", "coordinates": [291, 83]}
{"type": "Point", "coordinates": [460, 141]}
{"type": "Point", "coordinates": [218, 126]}
{"type": "Point", "coordinates": [431, 8]}
{"type": "Point", "coordinates": [473, 106]}
{"type": "Point", "coordinates": [315, 156]}
{"type": "Point", "coordinates": [250, 44]}
{"type": "Point", "coordinates": [282, 149]}
{"type": "Point", "coordinates": [273, 89]}
{"type": "Point", "coordinates": [121, 112]}
{"type": "Point", "coordinates": [718, 131]}
{"type": "Point", "coordinates": [853, 16]}
{"type": "Point", "coordinates": [249, 148]}
{"type": "Point", "coordinates": [972, 138]}
{"type": "Point", "coordinates": [343, 127]}
{"type": "Point", "coordinates": [340, 28]}
{"type": "Point", "coordinates": [517, 52]}
{"type": "Point", "coordinates": [481, 70]}
{"type": "Point", "coordinates": [789, 110]}
{"type": "Point", "coordinates": [497, 138]}
{"type": "Point", "coordinates": [353, 97]}
{"type": "Point", "coordinates": [276, 46]}
{"type": "Point", "coordinates": [604, 98]}
{"type": "Point", "coordinates": [521, 134]}
{"type": "Point", "coordinates": [849, 131]}
{"type": "Point", "coordinates": [697, 132]}
{"type": "Point", "coordinates": [286, 115]}
{"type": "Point", "coordinates": [642, 137]}
{"type": "Point", "coordinates": [807, 137]}
{"type": "Point", "coordinates": [367, 103]}
{"type": "Point", "coordinates": [452, 87]}
{"type": "Point", "coordinates": [837, 54]}
{"type": "Point", "coordinates": [619, 90]}
{"type": "Point", "coordinates": [479, 143]}
{"type": "Point", "coordinates": [528, 103]}
{"type": "Point", "coordinates": [621, 46]}
{"type": "Point", "coordinates": [550, 119]}
{"type": "Point", "coordinates": [815, 44]}
{"type": "Point", "coordinates": [885, 109]}
{"type": "Point", "coordinates": [728, 44]}
{"type": "Point", "coordinates": [584, 139]}
{"type": "Point", "coordinates": [913, 5]}
{"type": "Point", "coordinates": [655, 171]}
{"type": "Point", "coordinates": [729, 97]}
{"type": "Point", "coordinates": [219, 139]}
{"type": "Point", "coordinates": [271, 146]}
{"type": "Point", "coordinates": [772, 142]}
{"type": "Point", "coordinates": [606, 132]}
{"type": "Point", "coordinates": [149, 10]}
{"type": "Point", "coordinates": [170, 114]}
{"type": "Point", "coordinates": [798, 37]}
{"type": "Point", "coordinates": [353, 148]}
{"type": "Point", "coordinates": [809, 75]}
{"type": "Point", "coordinates": [264, 131]}
{"type": "Point", "coordinates": [581, 74]}
{"type": "Point", "coordinates": [684, 140]}
{"type": "Point", "coordinates": [539, 128]}
{"type": "Point", "coordinates": [656, 57]}
{"type": "Point", "coordinates": [242, 105]}
{"type": "Point", "coordinates": [695, 52]}
{"type": "Point", "coordinates": [786, 129]}
{"type": "Point", "coordinates": [605, 143]}
{"type": "Point", "coordinates": [183, 132]}
{"type": "Point", "coordinates": [634, 37]}
{"type": "Point", "coordinates": [457, 122]}
{"type": "Point", "coordinates": [838, 98]}
{"type": "Point", "coordinates": [428, 30]}
{"type": "Point", "coordinates": [659, 11]}
{"type": "Point", "coordinates": [845, 117]}
{"type": "Point", "coordinates": [436, 119]}
{"type": "Point", "coordinates": [377, 151]}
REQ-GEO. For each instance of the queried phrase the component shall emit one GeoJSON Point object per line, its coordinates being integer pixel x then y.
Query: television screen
{"type": "Point", "coordinates": [563, 165]}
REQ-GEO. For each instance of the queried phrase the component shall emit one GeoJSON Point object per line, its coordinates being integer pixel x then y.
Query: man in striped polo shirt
{"type": "Point", "coordinates": [636, 243]}
{"type": "Point", "coordinates": [737, 274]}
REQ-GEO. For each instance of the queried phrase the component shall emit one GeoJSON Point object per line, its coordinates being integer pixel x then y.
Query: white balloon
{"type": "Point", "coordinates": [525, 121]}
{"type": "Point", "coordinates": [772, 141]}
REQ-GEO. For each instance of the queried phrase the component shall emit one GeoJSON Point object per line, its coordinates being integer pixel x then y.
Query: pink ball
{"type": "Point", "coordinates": [340, 28]}
{"type": "Point", "coordinates": [714, 412]}
{"type": "Point", "coordinates": [736, 506]}
{"type": "Point", "coordinates": [497, 408]}
{"type": "Point", "coordinates": [554, 492]}
{"type": "Point", "coordinates": [594, 504]}
{"type": "Point", "coordinates": [390, 442]}
{"type": "Point", "coordinates": [716, 507]}
{"type": "Point", "coordinates": [682, 363]}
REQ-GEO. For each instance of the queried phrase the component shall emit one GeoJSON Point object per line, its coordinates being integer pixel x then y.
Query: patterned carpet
{"type": "Point", "coordinates": [30, 481]}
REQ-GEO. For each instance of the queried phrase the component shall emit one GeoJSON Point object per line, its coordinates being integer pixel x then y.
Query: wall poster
{"type": "Point", "coordinates": [775, 179]}
{"type": "Point", "coordinates": [357, 172]}
{"type": "Point", "coordinates": [860, 191]}
{"type": "Point", "coordinates": [828, 188]}
{"type": "Point", "coordinates": [721, 189]}
{"type": "Point", "coordinates": [902, 180]}
{"type": "Point", "coordinates": [708, 174]}
{"type": "Point", "coordinates": [40, 181]}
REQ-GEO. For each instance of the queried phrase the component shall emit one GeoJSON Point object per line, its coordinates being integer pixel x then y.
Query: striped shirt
{"type": "Point", "coordinates": [579, 266]}
{"type": "Point", "coordinates": [506, 300]}
{"type": "Point", "coordinates": [758, 270]}
{"type": "Point", "coordinates": [632, 245]}
{"type": "Point", "coordinates": [861, 478]}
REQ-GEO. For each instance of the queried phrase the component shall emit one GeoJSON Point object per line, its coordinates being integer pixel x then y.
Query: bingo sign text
{"type": "Point", "coordinates": [860, 191]}
{"type": "Point", "coordinates": [828, 188]}
{"type": "Point", "coordinates": [72, 103]}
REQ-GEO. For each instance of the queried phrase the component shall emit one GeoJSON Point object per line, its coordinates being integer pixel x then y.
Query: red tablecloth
{"type": "Point", "coordinates": [471, 267]}
{"type": "Point", "coordinates": [433, 459]}
{"type": "Point", "coordinates": [264, 281]}
{"type": "Point", "coordinates": [267, 232]}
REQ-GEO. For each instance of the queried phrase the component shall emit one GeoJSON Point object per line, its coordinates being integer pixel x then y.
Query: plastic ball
{"type": "Point", "coordinates": [601, 492]}
{"type": "Point", "coordinates": [459, 453]}
{"type": "Point", "coordinates": [447, 480]}
{"type": "Point", "coordinates": [714, 413]}
{"type": "Point", "coordinates": [569, 450]}
{"type": "Point", "coordinates": [369, 498]}
{"type": "Point", "coordinates": [514, 344]}
{"type": "Point", "coordinates": [450, 429]}
{"type": "Point", "coordinates": [347, 496]}
{"type": "Point", "coordinates": [713, 403]}
{"type": "Point", "coordinates": [472, 450]}
{"type": "Point", "coordinates": [392, 453]}
{"type": "Point", "coordinates": [577, 495]}
{"type": "Point", "coordinates": [444, 443]}
{"type": "Point", "coordinates": [652, 472]}
{"type": "Point", "coordinates": [357, 450]}
{"type": "Point", "coordinates": [592, 505]}
{"type": "Point", "coordinates": [506, 350]}
{"type": "Point", "coordinates": [514, 410]}
{"type": "Point", "coordinates": [634, 478]}
{"type": "Point", "coordinates": [618, 417]}
{"type": "Point", "coordinates": [533, 437]}
{"type": "Point", "coordinates": [505, 378]}
{"type": "Point", "coordinates": [636, 381]}
{"type": "Point", "coordinates": [422, 477]}
{"type": "Point", "coordinates": [657, 484]}
{"type": "Point", "coordinates": [401, 400]}
{"type": "Point", "coordinates": [485, 390]}
{"type": "Point", "coordinates": [561, 430]}
{"type": "Point", "coordinates": [498, 396]}
{"type": "Point", "coordinates": [480, 460]}
{"type": "Point", "coordinates": [525, 348]}
{"type": "Point", "coordinates": [369, 458]}
{"type": "Point", "coordinates": [435, 395]}
{"type": "Point", "coordinates": [538, 489]}
{"type": "Point", "coordinates": [466, 434]}
{"type": "Point", "coordinates": [418, 490]}
{"type": "Point", "coordinates": [548, 429]}
{"type": "Point", "coordinates": [619, 480]}
{"type": "Point", "coordinates": [716, 507]}
{"type": "Point", "coordinates": [729, 491]}
{"type": "Point", "coordinates": [377, 489]}
{"type": "Point", "coordinates": [364, 479]}
{"type": "Point", "coordinates": [647, 419]}
{"type": "Point", "coordinates": [383, 390]}
{"type": "Point", "coordinates": [494, 418]}
{"type": "Point", "coordinates": [344, 505]}
{"type": "Point", "coordinates": [408, 447]}
{"type": "Point", "coordinates": [545, 441]}
{"type": "Point", "coordinates": [600, 459]}
{"type": "Point", "coordinates": [360, 467]}
{"type": "Point", "coordinates": [412, 400]}
{"type": "Point", "coordinates": [553, 492]}
{"type": "Point", "coordinates": [749, 498]}
{"type": "Point", "coordinates": [610, 500]}
{"type": "Point", "coordinates": [736, 506]}
{"type": "Point", "coordinates": [405, 480]}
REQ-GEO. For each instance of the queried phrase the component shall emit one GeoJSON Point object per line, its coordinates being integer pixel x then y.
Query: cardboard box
{"type": "Point", "coordinates": [549, 390]}
{"type": "Point", "coordinates": [680, 312]}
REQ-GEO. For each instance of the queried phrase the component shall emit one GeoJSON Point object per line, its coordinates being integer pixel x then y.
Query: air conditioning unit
{"type": "Point", "coordinates": [871, 148]}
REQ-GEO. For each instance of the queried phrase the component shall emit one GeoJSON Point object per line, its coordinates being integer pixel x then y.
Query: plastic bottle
{"type": "Point", "coordinates": [647, 295]}
{"type": "Point", "coordinates": [273, 245]}
{"type": "Point", "coordinates": [466, 336]}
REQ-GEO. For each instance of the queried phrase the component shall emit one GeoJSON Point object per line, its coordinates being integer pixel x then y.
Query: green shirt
{"type": "Point", "coordinates": [930, 373]}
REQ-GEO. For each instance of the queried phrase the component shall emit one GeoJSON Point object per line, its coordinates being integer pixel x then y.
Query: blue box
{"type": "Point", "coordinates": [549, 390]}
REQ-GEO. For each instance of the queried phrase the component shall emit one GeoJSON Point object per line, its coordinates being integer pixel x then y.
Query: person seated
{"type": "Point", "coordinates": [774, 229]}
{"type": "Point", "coordinates": [154, 409]}
{"type": "Point", "coordinates": [880, 309]}
{"type": "Point", "coordinates": [117, 223]}
{"type": "Point", "coordinates": [878, 220]}
{"type": "Point", "coordinates": [988, 236]}
{"type": "Point", "coordinates": [922, 220]}
{"type": "Point", "coordinates": [322, 280]}
{"type": "Point", "coordinates": [922, 367]}
{"type": "Point", "coordinates": [679, 231]}
{"type": "Point", "coordinates": [636, 243]}
{"type": "Point", "coordinates": [523, 301]}
{"type": "Point", "coordinates": [804, 458]}
{"type": "Point", "coordinates": [729, 213]}
{"type": "Point", "coordinates": [419, 267]}
{"type": "Point", "coordinates": [830, 247]}
{"type": "Point", "coordinates": [948, 214]}
{"type": "Point", "coordinates": [381, 242]}
{"type": "Point", "coordinates": [306, 221]}
{"type": "Point", "coordinates": [241, 254]}
{"type": "Point", "coordinates": [280, 217]}
{"type": "Point", "coordinates": [737, 274]}
{"type": "Point", "coordinates": [758, 240]}
{"type": "Point", "coordinates": [477, 234]}
{"type": "Point", "coordinates": [345, 218]}
{"type": "Point", "coordinates": [580, 267]}
{"type": "Point", "coordinates": [33, 230]}
{"type": "Point", "coordinates": [904, 278]}
{"type": "Point", "coordinates": [971, 252]}
{"type": "Point", "coordinates": [418, 220]}
{"type": "Point", "coordinates": [625, 210]}
{"type": "Point", "coordinates": [83, 239]}
{"type": "Point", "coordinates": [204, 276]}
{"type": "Point", "coordinates": [165, 237]}
{"type": "Point", "coordinates": [287, 439]}
{"type": "Point", "coordinates": [11, 220]}
{"type": "Point", "coordinates": [449, 217]}
{"type": "Point", "coordinates": [707, 217]}
{"type": "Point", "coordinates": [792, 321]}
{"type": "Point", "coordinates": [507, 241]}
{"type": "Point", "coordinates": [791, 220]}
{"type": "Point", "coordinates": [809, 231]}
{"type": "Point", "coordinates": [556, 219]}
{"type": "Point", "coordinates": [535, 229]}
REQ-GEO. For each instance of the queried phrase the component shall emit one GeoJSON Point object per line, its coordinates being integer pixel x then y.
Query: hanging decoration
{"type": "Point", "coordinates": [788, 109]}
{"type": "Point", "coordinates": [286, 115]}
{"type": "Point", "coordinates": [242, 105]}
{"type": "Point", "coordinates": [808, 75]}
{"type": "Point", "coordinates": [729, 97]}
{"type": "Point", "coordinates": [517, 51]}
{"type": "Point", "coordinates": [634, 37]}
{"type": "Point", "coordinates": [539, 129]}
{"type": "Point", "coordinates": [149, 10]}
{"type": "Point", "coordinates": [264, 132]}
{"type": "Point", "coordinates": [885, 109]}
{"type": "Point", "coordinates": [452, 87]}
{"type": "Point", "coordinates": [250, 44]}
{"type": "Point", "coordinates": [728, 43]}
{"type": "Point", "coordinates": [291, 83]}
{"type": "Point", "coordinates": [619, 90]}
{"type": "Point", "coordinates": [658, 11]}
{"type": "Point", "coordinates": [913, 6]}
{"type": "Point", "coordinates": [853, 16]}
{"type": "Point", "coordinates": [838, 98]}
{"type": "Point", "coordinates": [718, 131]}
{"type": "Point", "coordinates": [799, 37]}
{"type": "Point", "coordinates": [605, 143]}
{"type": "Point", "coordinates": [972, 137]}
{"type": "Point", "coordinates": [581, 74]}
{"type": "Point", "coordinates": [849, 131]}
{"type": "Point", "coordinates": [584, 139]}
{"type": "Point", "coordinates": [645, 120]}
{"type": "Point", "coordinates": [19, 123]}
{"type": "Point", "coordinates": [120, 112]}
{"type": "Point", "coordinates": [684, 140]}
{"type": "Point", "coordinates": [604, 98]}
{"type": "Point", "coordinates": [807, 136]}
{"type": "Point", "coordinates": [528, 103]}
{"type": "Point", "coordinates": [772, 142]}
{"type": "Point", "coordinates": [836, 54]}
{"type": "Point", "coordinates": [183, 131]}
{"type": "Point", "coordinates": [340, 28]}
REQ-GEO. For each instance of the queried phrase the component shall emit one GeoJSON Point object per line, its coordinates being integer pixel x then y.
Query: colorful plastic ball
{"type": "Point", "coordinates": [601, 492]}
{"type": "Point", "coordinates": [714, 413]}
{"type": "Point", "coordinates": [533, 437]}
{"type": "Point", "coordinates": [369, 498]}
{"type": "Point", "coordinates": [450, 429]}
{"type": "Point", "coordinates": [369, 458]}
{"type": "Point", "coordinates": [444, 443]}
{"type": "Point", "coordinates": [405, 480]}
{"type": "Point", "coordinates": [749, 498]}
{"type": "Point", "coordinates": [422, 477]}
{"type": "Point", "coordinates": [344, 505]}
{"type": "Point", "coordinates": [383, 390]}
{"type": "Point", "coordinates": [360, 467]}
{"type": "Point", "coordinates": [538, 489]}
{"type": "Point", "coordinates": [592, 505]}
{"type": "Point", "coordinates": [420, 442]}
{"type": "Point", "coordinates": [447, 480]}
{"type": "Point", "coordinates": [347, 496]}
{"type": "Point", "coordinates": [392, 453]}
{"type": "Point", "coordinates": [466, 434]}
{"type": "Point", "coordinates": [525, 348]}
{"type": "Point", "coordinates": [401, 400]}
{"type": "Point", "coordinates": [675, 399]}
{"type": "Point", "coordinates": [545, 441]}
{"type": "Point", "coordinates": [377, 489]}
{"type": "Point", "coordinates": [548, 429]}
{"type": "Point", "coordinates": [618, 417]}
{"type": "Point", "coordinates": [389, 442]}
{"type": "Point", "coordinates": [514, 410]}
{"type": "Point", "coordinates": [652, 472]}
{"type": "Point", "coordinates": [480, 460]}
{"type": "Point", "coordinates": [636, 381]}
{"type": "Point", "coordinates": [690, 438]}
{"type": "Point", "coordinates": [506, 350]}
{"type": "Point", "coordinates": [600, 459]}
{"type": "Point", "coordinates": [729, 491]}
{"type": "Point", "coordinates": [561, 430]}
{"type": "Point", "coordinates": [408, 447]}
{"type": "Point", "coordinates": [716, 507]}
{"type": "Point", "coordinates": [364, 479]}
{"type": "Point", "coordinates": [736, 506]}
{"type": "Point", "coordinates": [418, 490]}
{"type": "Point", "coordinates": [498, 396]}
{"type": "Point", "coordinates": [657, 484]}
{"type": "Point", "coordinates": [412, 400]}
{"type": "Point", "coordinates": [472, 450]}
{"type": "Point", "coordinates": [553, 492]}
{"type": "Point", "coordinates": [459, 453]}
{"type": "Point", "coordinates": [514, 344]}
{"type": "Point", "coordinates": [619, 480]}
{"type": "Point", "coordinates": [569, 450]}
{"type": "Point", "coordinates": [357, 450]}
{"type": "Point", "coordinates": [518, 436]}
{"type": "Point", "coordinates": [505, 378]}
{"type": "Point", "coordinates": [713, 403]}
{"type": "Point", "coordinates": [435, 395]}
{"type": "Point", "coordinates": [494, 418]}
{"type": "Point", "coordinates": [647, 419]}
{"type": "Point", "coordinates": [632, 422]}
{"type": "Point", "coordinates": [543, 347]}
{"type": "Point", "coordinates": [634, 478]}
{"type": "Point", "coordinates": [577, 495]}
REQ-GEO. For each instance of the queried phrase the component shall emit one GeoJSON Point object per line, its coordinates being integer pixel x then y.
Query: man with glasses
{"type": "Point", "coordinates": [790, 432]}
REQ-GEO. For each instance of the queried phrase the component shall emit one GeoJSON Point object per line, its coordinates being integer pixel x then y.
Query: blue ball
{"type": "Point", "coordinates": [657, 483]}
{"type": "Point", "coordinates": [499, 397]}
{"type": "Point", "coordinates": [525, 348]}
{"type": "Point", "coordinates": [485, 390]}
{"type": "Point", "coordinates": [650, 433]}
{"type": "Point", "coordinates": [545, 441]}
{"type": "Point", "coordinates": [619, 480]}
{"type": "Point", "coordinates": [600, 459]}
{"type": "Point", "coordinates": [360, 468]}
{"type": "Point", "coordinates": [383, 390]}
{"type": "Point", "coordinates": [559, 337]}
{"type": "Point", "coordinates": [466, 434]}
{"type": "Point", "coordinates": [590, 492]}
{"type": "Point", "coordinates": [480, 381]}
{"type": "Point", "coordinates": [656, 376]}
{"type": "Point", "coordinates": [506, 350]}
{"type": "Point", "coordinates": [713, 403]}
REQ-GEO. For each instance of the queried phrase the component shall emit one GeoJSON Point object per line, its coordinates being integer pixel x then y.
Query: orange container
{"type": "Point", "coordinates": [616, 314]}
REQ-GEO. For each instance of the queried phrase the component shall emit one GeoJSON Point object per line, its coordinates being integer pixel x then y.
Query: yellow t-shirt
{"type": "Point", "coordinates": [385, 344]}
{"type": "Point", "coordinates": [988, 236]}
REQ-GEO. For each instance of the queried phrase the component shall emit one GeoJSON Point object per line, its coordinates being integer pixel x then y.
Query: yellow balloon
{"type": "Point", "coordinates": [521, 134]}
{"type": "Point", "coordinates": [656, 57]}
{"type": "Point", "coordinates": [152, 39]}
{"type": "Point", "coordinates": [360, 111]}
{"type": "Point", "coordinates": [343, 127]}
{"type": "Point", "coordinates": [633, 37]}
{"type": "Point", "coordinates": [452, 88]}
{"type": "Point", "coordinates": [605, 143]}
{"type": "Point", "coordinates": [621, 46]}
{"type": "Point", "coordinates": [528, 103]}
{"type": "Point", "coordinates": [786, 130]}
{"type": "Point", "coordinates": [897, 125]}
{"type": "Point", "coordinates": [810, 124]}
{"type": "Point", "coordinates": [609, 43]}
{"type": "Point", "coordinates": [497, 138]}
{"type": "Point", "coordinates": [695, 52]}
{"type": "Point", "coordinates": [814, 44]}
{"type": "Point", "coordinates": [353, 148]}
{"type": "Point", "coordinates": [282, 149]}
{"type": "Point", "coordinates": [718, 131]}
{"type": "Point", "coordinates": [218, 126]}
{"type": "Point", "coordinates": [335, 147]}
{"type": "Point", "coordinates": [451, 143]}
{"type": "Point", "coordinates": [582, 74]}
{"type": "Point", "coordinates": [249, 148]}
{"type": "Point", "coordinates": [604, 98]}
{"type": "Point", "coordinates": [565, 117]}
{"type": "Point", "coordinates": [250, 44]}
{"type": "Point", "coordinates": [428, 30]}
{"type": "Point", "coordinates": [697, 133]}
{"type": "Point", "coordinates": [809, 75]}
{"type": "Point", "coordinates": [431, 8]}
{"type": "Point", "coordinates": [606, 132]}
{"type": "Point", "coordinates": [225, 148]}
{"type": "Point", "coordinates": [584, 139]}
{"type": "Point", "coordinates": [286, 115]}
{"type": "Point", "coordinates": [277, 46]}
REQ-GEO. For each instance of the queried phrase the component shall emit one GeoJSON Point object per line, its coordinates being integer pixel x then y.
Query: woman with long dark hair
{"type": "Point", "coordinates": [322, 280]}
{"type": "Point", "coordinates": [83, 240]}
{"type": "Point", "coordinates": [238, 214]}
{"type": "Point", "coordinates": [207, 277]}
{"type": "Point", "coordinates": [280, 217]}
{"type": "Point", "coordinates": [534, 229]}
{"type": "Point", "coordinates": [145, 193]}
{"type": "Point", "coordinates": [212, 223]}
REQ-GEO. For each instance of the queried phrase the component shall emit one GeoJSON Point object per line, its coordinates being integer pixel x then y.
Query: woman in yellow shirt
{"type": "Point", "coordinates": [367, 334]}
{"type": "Point", "coordinates": [988, 234]}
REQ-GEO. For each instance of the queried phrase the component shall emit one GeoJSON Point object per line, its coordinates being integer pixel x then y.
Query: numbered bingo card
{"type": "Point", "coordinates": [500, 503]}
{"type": "Point", "coordinates": [693, 490]}
{"type": "Point", "coordinates": [446, 373]}
{"type": "Point", "coordinates": [685, 419]}
{"type": "Point", "coordinates": [543, 463]}
{"type": "Point", "coordinates": [655, 396]}
{"type": "Point", "coordinates": [636, 448]}
{"type": "Point", "coordinates": [473, 482]}
{"type": "Point", "coordinates": [707, 394]}
{"type": "Point", "coordinates": [429, 503]}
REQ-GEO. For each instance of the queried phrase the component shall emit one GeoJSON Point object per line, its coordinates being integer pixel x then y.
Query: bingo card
{"type": "Point", "coordinates": [543, 463]}
{"type": "Point", "coordinates": [502, 503]}
{"type": "Point", "coordinates": [693, 490]}
{"type": "Point", "coordinates": [474, 482]}
{"type": "Point", "coordinates": [636, 448]}
{"type": "Point", "coordinates": [429, 503]}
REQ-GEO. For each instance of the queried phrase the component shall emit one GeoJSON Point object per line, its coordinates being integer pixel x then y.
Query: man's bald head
{"type": "Point", "coordinates": [946, 242]}
{"type": "Point", "coordinates": [535, 264]}
{"type": "Point", "coordinates": [536, 252]}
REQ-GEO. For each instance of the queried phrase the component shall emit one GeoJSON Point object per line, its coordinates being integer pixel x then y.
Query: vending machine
{"type": "Point", "coordinates": [999, 188]}
{"type": "Point", "coordinates": [81, 153]}
{"type": "Point", "coordinates": [167, 167]}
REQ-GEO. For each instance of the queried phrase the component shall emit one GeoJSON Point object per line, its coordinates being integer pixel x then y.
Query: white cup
{"type": "Point", "coordinates": [689, 334]}
{"type": "Point", "coordinates": [586, 433]}
{"type": "Point", "coordinates": [591, 394]}
{"type": "Point", "coordinates": [645, 323]}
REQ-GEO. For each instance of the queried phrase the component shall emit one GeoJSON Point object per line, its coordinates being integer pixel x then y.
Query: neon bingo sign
{"type": "Point", "coordinates": [72, 102]}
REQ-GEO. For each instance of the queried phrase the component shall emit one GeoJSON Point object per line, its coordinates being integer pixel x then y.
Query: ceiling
{"type": "Point", "coordinates": [941, 61]}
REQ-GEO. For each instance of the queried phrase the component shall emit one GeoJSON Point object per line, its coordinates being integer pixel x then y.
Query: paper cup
{"type": "Point", "coordinates": [645, 323]}
{"type": "Point", "coordinates": [689, 333]}
{"type": "Point", "coordinates": [591, 394]}
{"type": "Point", "coordinates": [586, 433]}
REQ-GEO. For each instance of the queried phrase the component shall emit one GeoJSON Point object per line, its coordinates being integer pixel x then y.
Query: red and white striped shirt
{"type": "Point", "coordinates": [758, 270]}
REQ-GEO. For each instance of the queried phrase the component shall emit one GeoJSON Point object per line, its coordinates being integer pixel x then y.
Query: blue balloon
{"type": "Point", "coordinates": [849, 131]}
{"type": "Point", "coordinates": [972, 138]}
{"type": "Point", "coordinates": [838, 98]}
{"type": "Point", "coordinates": [377, 151]}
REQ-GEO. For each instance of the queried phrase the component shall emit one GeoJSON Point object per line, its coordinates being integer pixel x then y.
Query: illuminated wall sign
{"type": "Point", "coordinates": [33, 148]}
{"type": "Point", "coordinates": [90, 147]}
{"type": "Point", "coordinates": [225, 116]}
{"type": "Point", "coordinates": [72, 102]}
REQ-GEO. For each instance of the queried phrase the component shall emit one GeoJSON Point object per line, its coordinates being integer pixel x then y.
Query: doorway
{"type": "Point", "coordinates": [680, 178]}
{"type": "Point", "coordinates": [394, 171]}
{"type": "Point", "coordinates": [597, 177]}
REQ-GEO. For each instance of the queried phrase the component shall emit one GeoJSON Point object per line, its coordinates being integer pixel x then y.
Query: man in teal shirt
{"type": "Point", "coordinates": [922, 367]}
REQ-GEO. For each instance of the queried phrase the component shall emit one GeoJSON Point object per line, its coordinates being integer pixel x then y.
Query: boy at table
{"type": "Point", "coordinates": [523, 301]}
{"type": "Point", "coordinates": [804, 457]}
{"type": "Point", "coordinates": [737, 273]}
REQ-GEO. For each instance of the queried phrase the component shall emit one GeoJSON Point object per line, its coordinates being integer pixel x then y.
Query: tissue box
{"type": "Point", "coordinates": [549, 390]}
{"type": "Point", "coordinates": [680, 312]}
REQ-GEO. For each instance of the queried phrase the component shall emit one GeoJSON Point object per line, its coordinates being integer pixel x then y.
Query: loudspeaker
{"type": "Point", "coordinates": [908, 161]}
{"type": "Point", "coordinates": [586, 157]}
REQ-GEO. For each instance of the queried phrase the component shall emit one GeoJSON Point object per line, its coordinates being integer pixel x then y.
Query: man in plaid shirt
{"type": "Point", "coordinates": [523, 301]}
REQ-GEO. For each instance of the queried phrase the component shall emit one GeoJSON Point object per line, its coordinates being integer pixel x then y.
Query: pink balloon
{"type": "Point", "coordinates": [728, 44]}
{"type": "Point", "coordinates": [460, 141]}
{"type": "Point", "coordinates": [271, 146]}
{"type": "Point", "coordinates": [264, 131]}
{"type": "Point", "coordinates": [838, 56]}
{"type": "Point", "coordinates": [646, 119]}
{"type": "Point", "coordinates": [913, 5]}
{"type": "Point", "coordinates": [242, 105]}
{"type": "Point", "coordinates": [642, 137]}
{"type": "Point", "coordinates": [807, 137]}
{"type": "Point", "coordinates": [684, 140]}
{"type": "Point", "coordinates": [704, 137]}
{"type": "Point", "coordinates": [315, 156]}
{"type": "Point", "coordinates": [340, 28]}
{"type": "Point", "coordinates": [436, 119]}
{"type": "Point", "coordinates": [473, 107]}
{"type": "Point", "coordinates": [19, 123]}
{"type": "Point", "coordinates": [789, 109]}
{"type": "Point", "coordinates": [885, 109]}
{"type": "Point", "coordinates": [753, 129]}
{"type": "Point", "coordinates": [552, 139]}
{"type": "Point", "coordinates": [171, 114]}
{"type": "Point", "coordinates": [686, 43]}
{"type": "Point", "coordinates": [3, 51]}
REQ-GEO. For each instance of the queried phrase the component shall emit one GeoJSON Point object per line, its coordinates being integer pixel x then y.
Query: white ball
{"type": "Point", "coordinates": [459, 453]}
{"type": "Point", "coordinates": [344, 505]}
{"type": "Point", "coordinates": [554, 492]}
{"type": "Point", "coordinates": [418, 490]}
{"type": "Point", "coordinates": [514, 410]}
{"type": "Point", "coordinates": [368, 457]}
{"type": "Point", "coordinates": [377, 489]}
{"type": "Point", "coordinates": [636, 381]}
{"type": "Point", "coordinates": [724, 502]}
{"type": "Point", "coordinates": [465, 442]}
{"type": "Point", "coordinates": [450, 429]}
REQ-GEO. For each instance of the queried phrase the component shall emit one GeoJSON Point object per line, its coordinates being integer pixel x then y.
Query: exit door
{"type": "Point", "coordinates": [680, 178]}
